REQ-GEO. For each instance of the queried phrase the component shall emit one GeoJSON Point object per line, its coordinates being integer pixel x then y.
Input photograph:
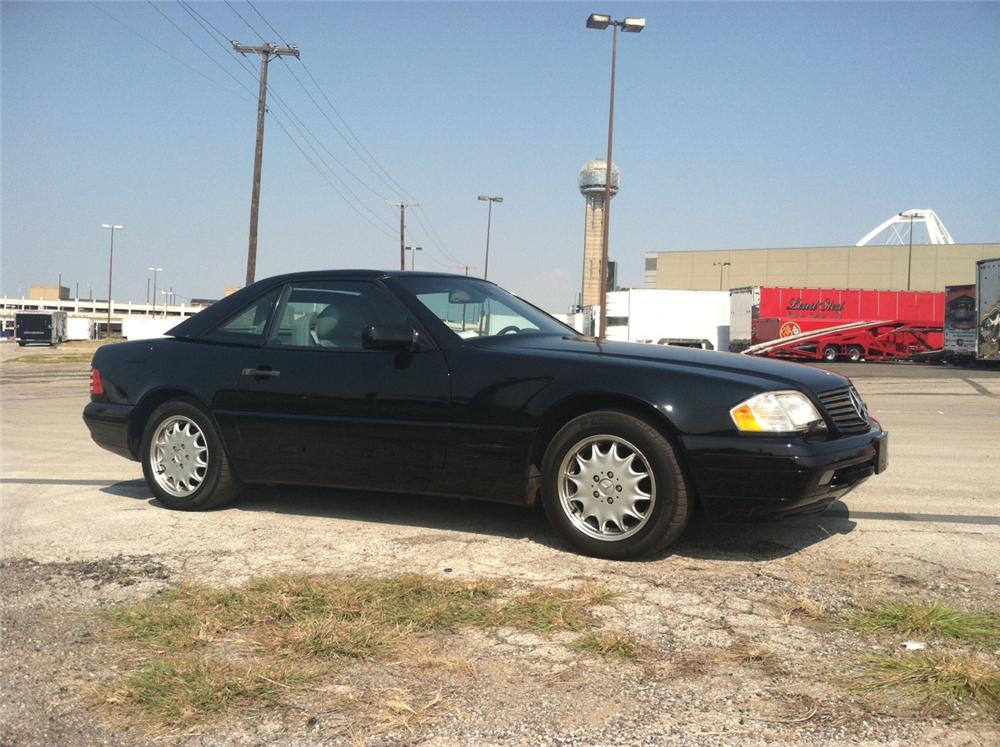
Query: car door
{"type": "Point", "coordinates": [317, 407]}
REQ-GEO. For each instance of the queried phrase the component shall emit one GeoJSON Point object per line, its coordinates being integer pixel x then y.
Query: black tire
{"type": "Point", "coordinates": [218, 486]}
{"type": "Point", "coordinates": [830, 353]}
{"type": "Point", "coordinates": [667, 514]}
{"type": "Point", "coordinates": [855, 353]}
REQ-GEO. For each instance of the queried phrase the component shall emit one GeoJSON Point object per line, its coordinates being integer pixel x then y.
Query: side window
{"type": "Point", "coordinates": [334, 314]}
{"type": "Point", "coordinates": [249, 323]}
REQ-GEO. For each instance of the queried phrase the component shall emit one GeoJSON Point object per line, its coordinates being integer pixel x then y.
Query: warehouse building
{"type": "Point", "coordinates": [890, 267]}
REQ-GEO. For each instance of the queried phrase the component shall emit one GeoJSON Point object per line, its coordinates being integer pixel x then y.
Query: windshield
{"type": "Point", "coordinates": [474, 308]}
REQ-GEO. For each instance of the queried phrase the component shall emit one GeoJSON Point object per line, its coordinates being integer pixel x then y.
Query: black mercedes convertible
{"type": "Point", "coordinates": [448, 385]}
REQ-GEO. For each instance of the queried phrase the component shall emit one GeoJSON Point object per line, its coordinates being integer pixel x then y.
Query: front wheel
{"type": "Point", "coordinates": [613, 487]}
{"type": "Point", "coordinates": [183, 459]}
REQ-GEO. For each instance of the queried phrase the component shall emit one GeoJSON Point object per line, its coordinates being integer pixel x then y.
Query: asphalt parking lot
{"type": "Point", "coordinates": [80, 531]}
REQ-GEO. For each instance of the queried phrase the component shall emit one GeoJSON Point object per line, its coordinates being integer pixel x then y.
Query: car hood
{"type": "Point", "coordinates": [784, 373]}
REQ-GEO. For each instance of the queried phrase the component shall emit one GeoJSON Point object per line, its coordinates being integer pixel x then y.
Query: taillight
{"type": "Point", "coordinates": [96, 385]}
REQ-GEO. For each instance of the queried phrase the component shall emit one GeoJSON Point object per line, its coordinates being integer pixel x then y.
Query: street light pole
{"type": "Point", "coordinates": [489, 222]}
{"type": "Point", "coordinates": [633, 25]}
{"type": "Point", "coordinates": [413, 255]}
{"type": "Point", "coordinates": [721, 266]}
{"type": "Point", "coordinates": [111, 263]}
{"type": "Point", "coordinates": [909, 257]}
{"type": "Point", "coordinates": [155, 271]}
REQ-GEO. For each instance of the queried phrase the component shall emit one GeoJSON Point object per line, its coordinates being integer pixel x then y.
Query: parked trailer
{"type": "Point", "coordinates": [761, 314]}
{"type": "Point", "coordinates": [988, 309]}
{"type": "Point", "coordinates": [79, 328]}
{"type": "Point", "coordinates": [40, 327]}
{"type": "Point", "coordinates": [884, 340]}
{"type": "Point", "coordinates": [669, 317]}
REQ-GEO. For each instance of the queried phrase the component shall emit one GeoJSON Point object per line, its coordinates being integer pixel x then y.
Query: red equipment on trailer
{"type": "Point", "coordinates": [831, 323]}
{"type": "Point", "coordinates": [885, 340]}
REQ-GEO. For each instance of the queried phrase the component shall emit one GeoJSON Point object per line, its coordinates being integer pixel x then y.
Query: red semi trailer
{"type": "Point", "coordinates": [829, 323]}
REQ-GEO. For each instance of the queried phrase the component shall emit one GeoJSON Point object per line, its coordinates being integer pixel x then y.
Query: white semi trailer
{"type": "Point", "coordinates": [669, 317]}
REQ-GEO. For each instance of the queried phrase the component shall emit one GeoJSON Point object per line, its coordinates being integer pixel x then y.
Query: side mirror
{"type": "Point", "coordinates": [398, 339]}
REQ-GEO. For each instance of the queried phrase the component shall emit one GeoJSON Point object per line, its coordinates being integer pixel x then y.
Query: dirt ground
{"type": "Point", "coordinates": [81, 534]}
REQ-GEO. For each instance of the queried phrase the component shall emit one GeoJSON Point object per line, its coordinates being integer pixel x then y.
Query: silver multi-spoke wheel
{"type": "Point", "coordinates": [178, 455]}
{"type": "Point", "coordinates": [606, 487]}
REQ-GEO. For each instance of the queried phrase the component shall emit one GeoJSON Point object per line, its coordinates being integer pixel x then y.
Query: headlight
{"type": "Point", "coordinates": [776, 412]}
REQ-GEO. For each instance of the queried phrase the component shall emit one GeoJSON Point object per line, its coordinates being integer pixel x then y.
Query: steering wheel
{"type": "Point", "coordinates": [510, 328]}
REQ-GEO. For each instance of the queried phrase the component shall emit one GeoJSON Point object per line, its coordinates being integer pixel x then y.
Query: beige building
{"type": "Point", "coordinates": [48, 292]}
{"type": "Point", "coordinates": [931, 267]}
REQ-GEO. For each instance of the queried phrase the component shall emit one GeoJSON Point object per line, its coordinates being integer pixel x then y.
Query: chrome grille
{"type": "Point", "coordinates": [840, 406]}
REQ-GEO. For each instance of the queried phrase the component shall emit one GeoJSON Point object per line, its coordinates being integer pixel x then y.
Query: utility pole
{"type": "Point", "coordinates": [489, 221]}
{"type": "Point", "coordinates": [111, 264]}
{"type": "Point", "coordinates": [266, 51]}
{"type": "Point", "coordinates": [466, 268]}
{"type": "Point", "coordinates": [402, 228]}
{"type": "Point", "coordinates": [413, 255]}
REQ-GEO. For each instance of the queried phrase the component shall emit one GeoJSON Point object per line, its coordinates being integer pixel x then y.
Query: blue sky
{"type": "Point", "coordinates": [737, 125]}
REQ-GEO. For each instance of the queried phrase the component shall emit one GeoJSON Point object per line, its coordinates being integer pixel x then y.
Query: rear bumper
{"type": "Point", "coordinates": [744, 476]}
{"type": "Point", "coordinates": [108, 424]}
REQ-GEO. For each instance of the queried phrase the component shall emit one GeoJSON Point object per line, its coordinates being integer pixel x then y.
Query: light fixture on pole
{"type": "Point", "coordinates": [413, 255]}
{"type": "Point", "coordinates": [909, 257]}
{"type": "Point", "coordinates": [489, 221]}
{"type": "Point", "coordinates": [155, 271]}
{"type": "Point", "coordinates": [600, 22]}
{"type": "Point", "coordinates": [111, 263]}
{"type": "Point", "coordinates": [721, 266]}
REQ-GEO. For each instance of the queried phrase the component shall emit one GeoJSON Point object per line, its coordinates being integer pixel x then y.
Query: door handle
{"type": "Point", "coordinates": [261, 373]}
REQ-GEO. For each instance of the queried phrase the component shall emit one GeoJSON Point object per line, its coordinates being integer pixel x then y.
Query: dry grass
{"type": "Point", "coordinates": [939, 681]}
{"type": "Point", "coordinates": [609, 644]}
{"type": "Point", "coordinates": [754, 655]}
{"type": "Point", "coordinates": [933, 620]}
{"type": "Point", "coordinates": [249, 643]}
{"type": "Point", "coordinates": [801, 606]}
{"type": "Point", "coordinates": [77, 351]}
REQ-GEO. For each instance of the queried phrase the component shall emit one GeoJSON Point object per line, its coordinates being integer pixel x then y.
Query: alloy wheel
{"type": "Point", "coordinates": [606, 488]}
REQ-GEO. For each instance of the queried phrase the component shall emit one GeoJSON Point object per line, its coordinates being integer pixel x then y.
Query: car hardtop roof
{"type": "Point", "coordinates": [206, 320]}
{"type": "Point", "coordinates": [361, 273]}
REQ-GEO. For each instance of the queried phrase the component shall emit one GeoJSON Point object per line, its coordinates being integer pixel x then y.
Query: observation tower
{"type": "Point", "coordinates": [592, 181]}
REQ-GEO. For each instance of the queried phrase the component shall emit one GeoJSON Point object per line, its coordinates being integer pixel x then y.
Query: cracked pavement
{"type": "Point", "coordinates": [80, 530]}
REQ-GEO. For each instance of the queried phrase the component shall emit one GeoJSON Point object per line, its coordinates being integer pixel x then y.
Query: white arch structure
{"type": "Point", "coordinates": [936, 231]}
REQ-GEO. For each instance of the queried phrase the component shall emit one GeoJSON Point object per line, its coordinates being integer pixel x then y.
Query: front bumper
{"type": "Point", "coordinates": [109, 426]}
{"type": "Point", "coordinates": [747, 476]}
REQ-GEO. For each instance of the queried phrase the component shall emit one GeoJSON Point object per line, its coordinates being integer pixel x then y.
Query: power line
{"type": "Point", "coordinates": [325, 116]}
{"type": "Point", "coordinates": [378, 170]}
{"type": "Point", "coordinates": [202, 49]}
{"type": "Point", "coordinates": [296, 121]}
{"type": "Point", "coordinates": [325, 178]}
{"type": "Point", "coordinates": [167, 52]}
{"type": "Point", "coordinates": [268, 23]}
{"type": "Point", "coordinates": [248, 24]}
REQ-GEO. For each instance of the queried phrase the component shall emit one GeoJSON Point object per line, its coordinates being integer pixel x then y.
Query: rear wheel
{"type": "Point", "coordinates": [855, 353]}
{"type": "Point", "coordinates": [830, 353]}
{"type": "Point", "coordinates": [183, 459]}
{"type": "Point", "coordinates": [613, 487]}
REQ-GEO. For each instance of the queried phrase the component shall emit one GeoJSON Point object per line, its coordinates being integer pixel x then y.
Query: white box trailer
{"type": "Point", "coordinates": [988, 309]}
{"type": "Point", "coordinates": [146, 328]}
{"type": "Point", "coordinates": [743, 305]}
{"type": "Point", "coordinates": [670, 317]}
{"type": "Point", "coordinates": [79, 328]}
